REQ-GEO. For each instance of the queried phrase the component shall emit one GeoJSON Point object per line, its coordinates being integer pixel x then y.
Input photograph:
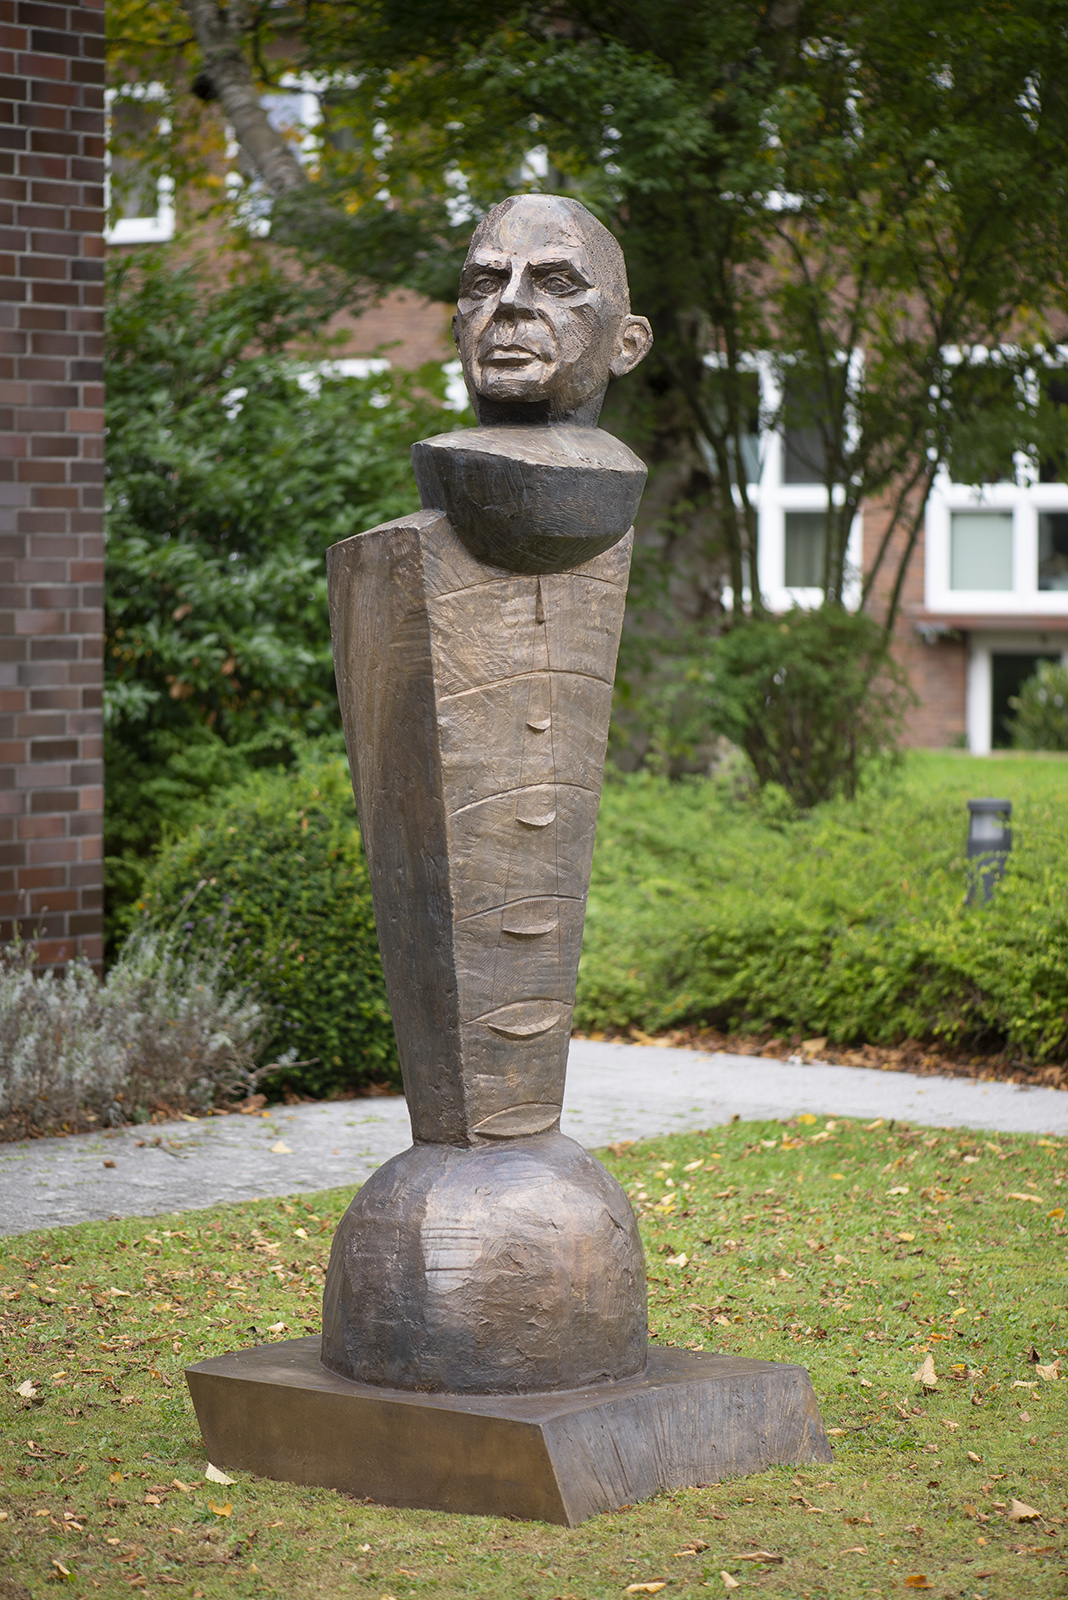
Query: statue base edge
{"type": "Point", "coordinates": [690, 1418]}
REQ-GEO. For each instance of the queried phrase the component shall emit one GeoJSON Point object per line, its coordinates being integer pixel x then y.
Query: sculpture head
{"type": "Point", "coordinates": [543, 316]}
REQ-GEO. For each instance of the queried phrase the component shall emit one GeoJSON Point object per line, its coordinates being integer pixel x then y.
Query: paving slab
{"type": "Point", "coordinates": [614, 1092]}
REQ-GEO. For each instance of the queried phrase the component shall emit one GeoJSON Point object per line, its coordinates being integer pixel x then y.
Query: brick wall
{"type": "Point", "coordinates": [51, 473]}
{"type": "Point", "coordinates": [936, 669]}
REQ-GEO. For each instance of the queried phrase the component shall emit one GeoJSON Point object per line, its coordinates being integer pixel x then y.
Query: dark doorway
{"type": "Point", "coordinates": [1009, 674]}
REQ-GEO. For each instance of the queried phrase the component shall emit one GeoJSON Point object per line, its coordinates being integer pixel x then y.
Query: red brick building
{"type": "Point", "coordinates": [51, 473]}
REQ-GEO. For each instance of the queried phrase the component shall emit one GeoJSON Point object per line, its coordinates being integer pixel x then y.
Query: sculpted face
{"type": "Point", "coordinates": [543, 317]}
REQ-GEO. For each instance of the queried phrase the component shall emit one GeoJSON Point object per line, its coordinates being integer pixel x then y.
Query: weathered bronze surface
{"type": "Point", "coordinates": [459, 1268]}
{"type": "Point", "coordinates": [688, 1418]}
{"type": "Point", "coordinates": [475, 644]}
{"type": "Point", "coordinates": [484, 1320]}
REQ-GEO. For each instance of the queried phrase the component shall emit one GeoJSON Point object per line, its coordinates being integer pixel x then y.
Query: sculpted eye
{"type": "Point", "coordinates": [559, 283]}
{"type": "Point", "coordinates": [482, 285]}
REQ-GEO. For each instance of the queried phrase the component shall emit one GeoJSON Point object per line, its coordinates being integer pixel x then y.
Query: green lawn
{"type": "Point", "coordinates": [855, 1250]}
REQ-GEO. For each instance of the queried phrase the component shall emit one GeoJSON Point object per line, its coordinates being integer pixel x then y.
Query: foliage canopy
{"type": "Point", "coordinates": [232, 465]}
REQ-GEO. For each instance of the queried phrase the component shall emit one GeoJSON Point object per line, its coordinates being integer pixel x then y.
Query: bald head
{"type": "Point", "coordinates": [543, 317]}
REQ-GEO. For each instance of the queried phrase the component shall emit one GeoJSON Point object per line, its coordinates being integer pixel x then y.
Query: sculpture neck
{"type": "Point", "coordinates": [536, 414]}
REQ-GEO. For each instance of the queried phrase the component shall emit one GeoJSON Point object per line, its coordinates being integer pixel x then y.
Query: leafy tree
{"type": "Point", "coordinates": [231, 466]}
{"type": "Point", "coordinates": [860, 195]}
{"type": "Point", "coordinates": [811, 697]}
{"type": "Point", "coordinates": [856, 192]}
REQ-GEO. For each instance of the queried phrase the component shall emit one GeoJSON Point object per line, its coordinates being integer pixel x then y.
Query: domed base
{"type": "Point", "coordinates": [500, 1269]}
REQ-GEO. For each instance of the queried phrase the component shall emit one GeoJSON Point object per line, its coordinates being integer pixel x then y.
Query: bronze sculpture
{"type": "Point", "coordinates": [475, 646]}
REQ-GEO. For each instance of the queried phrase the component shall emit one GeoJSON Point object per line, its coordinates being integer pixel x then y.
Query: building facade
{"type": "Point", "coordinates": [51, 475]}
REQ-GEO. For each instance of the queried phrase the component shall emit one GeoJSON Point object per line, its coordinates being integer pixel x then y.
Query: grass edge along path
{"type": "Point", "coordinates": [861, 1251]}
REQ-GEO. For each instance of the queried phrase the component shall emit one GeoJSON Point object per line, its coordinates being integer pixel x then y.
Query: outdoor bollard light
{"type": "Point", "coordinates": [989, 843]}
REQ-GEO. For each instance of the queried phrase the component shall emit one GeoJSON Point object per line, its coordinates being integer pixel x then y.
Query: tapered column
{"type": "Point", "coordinates": [476, 706]}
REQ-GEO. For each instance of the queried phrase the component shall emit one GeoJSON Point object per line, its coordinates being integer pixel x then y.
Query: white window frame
{"type": "Point", "coordinates": [1023, 499]}
{"type": "Point", "coordinates": [772, 499]}
{"type": "Point", "coordinates": [157, 229]}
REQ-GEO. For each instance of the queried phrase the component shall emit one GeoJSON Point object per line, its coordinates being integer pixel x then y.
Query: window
{"type": "Point", "coordinates": [140, 194]}
{"type": "Point", "coordinates": [1053, 464]}
{"type": "Point", "coordinates": [804, 454]}
{"type": "Point", "coordinates": [982, 447]}
{"type": "Point", "coordinates": [981, 550]}
{"type": "Point", "coordinates": [1053, 550]}
{"type": "Point", "coordinates": [805, 538]}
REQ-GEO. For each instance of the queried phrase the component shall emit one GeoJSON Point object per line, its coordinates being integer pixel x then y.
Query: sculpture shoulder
{"type": "Point", "coordinates": [414, 523]}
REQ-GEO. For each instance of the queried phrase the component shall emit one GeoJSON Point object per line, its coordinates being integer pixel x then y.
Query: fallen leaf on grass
{"type": "Point", "coordinates": [854, 1550]}
{"type": "Point", "coordinates": [760, 1555]}
{"type": "Point", "coordinates": [899, 1188]}
{"type": "Point", "coordinates": [973, 1457]}
{"type": "Point", "coordinates": [178, 1484]}
{"type": "Point", "coordinates": [213, 1475]}
{"type": "Point", "coordinates": [1020, 1511]}
{"type": "Point", "coordinates": [27, 1390]}
{"type": "Point", "coordinates": [917, 1581]}
{"type": "Point", "coordinates": [952, 1426]}
{"type": "Point", "coordinates": [1056, 1214]}
{"type": "Point", "coordinates": [729, 1582]}
{"type": "Point", "coordinates": [1035, 1199]}
{"type": "Point", "coordinates": [1021, 1383]}
{"type": "Point", "coordinates": [1050, 1373]}
{"type": "Point", "coordinates": [677, 1261]}
{"type": "Point", "coordinates": [834, 1433]}
{"type": "Point", "coordinates": [926, 1374]}
{"type": "Point", "coordinates": [63, 1571]}
{"type": "Point", "coordinates": [281, 1149]}
{"type": "Point", "coordinates": [220, 1511]}
{"type": "Point", "coordinates": [644, 1588]}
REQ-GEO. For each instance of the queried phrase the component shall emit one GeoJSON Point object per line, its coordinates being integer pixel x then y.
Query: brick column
{"type": "Point", "coordinates": [51, 474]}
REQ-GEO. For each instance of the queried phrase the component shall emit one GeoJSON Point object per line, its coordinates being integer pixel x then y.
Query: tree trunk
{"type": "Point", "coordinates": [218, 35]}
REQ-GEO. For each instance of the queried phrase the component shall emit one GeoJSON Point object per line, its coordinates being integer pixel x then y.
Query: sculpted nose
{"type": "Point", "coordinates": [516, 296]}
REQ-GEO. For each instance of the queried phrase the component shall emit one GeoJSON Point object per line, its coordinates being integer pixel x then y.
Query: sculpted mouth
{"type": "Point", "coordinates": [510, 355]}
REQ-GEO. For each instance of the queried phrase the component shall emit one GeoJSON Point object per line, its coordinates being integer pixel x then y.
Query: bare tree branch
{"type": "Point", "coordinates": [218, 35]}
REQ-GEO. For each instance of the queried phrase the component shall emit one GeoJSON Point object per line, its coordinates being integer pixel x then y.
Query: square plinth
{"type": "Point", "coordinates": [690, 1418]}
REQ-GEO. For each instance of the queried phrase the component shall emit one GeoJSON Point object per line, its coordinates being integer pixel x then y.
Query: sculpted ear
{"type": "Point", "coordinates": [634, 342]}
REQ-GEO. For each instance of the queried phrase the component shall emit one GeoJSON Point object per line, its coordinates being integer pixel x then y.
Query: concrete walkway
{"type": "Point", "coordinates": [613, 1092]}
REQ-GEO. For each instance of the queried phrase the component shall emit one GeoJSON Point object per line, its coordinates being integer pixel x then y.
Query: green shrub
{"type": "Point", "coordinates": [281, 858]}
{"type": "Point", "coordinates": [811, 697]}
{"type": "Point", "coordinates": [1041, 707]}
{"type": "Point", "coordinates": [168, 1030]}
{"type": "Point", "coordinates": [228, 476]}
{"type": "Point", "coordinates": [850, 921]}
